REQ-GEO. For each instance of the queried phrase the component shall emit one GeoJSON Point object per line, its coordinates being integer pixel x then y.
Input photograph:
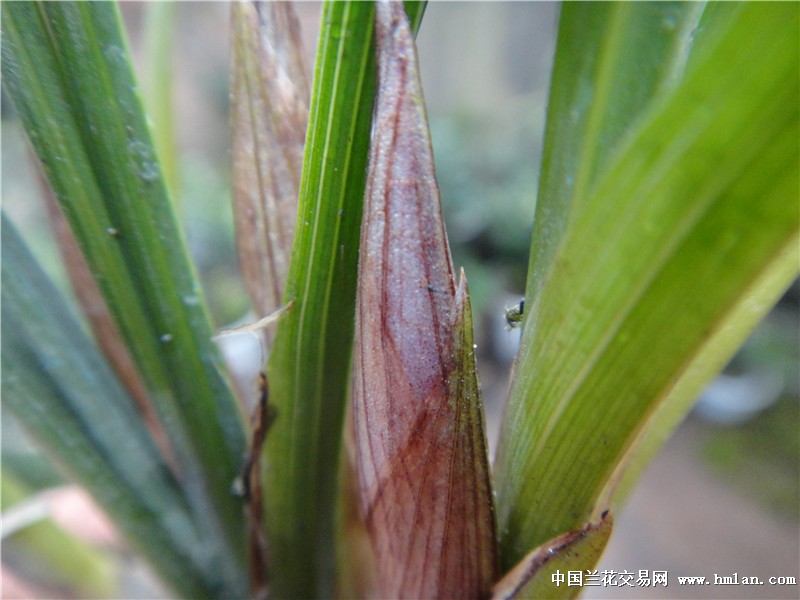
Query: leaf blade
{"type": "Point", "coordinates": [694, 254]}
{"type": "Point", "coordinates": [51, 378]}
{"type": "Point", "coordinates": [536, 576]}
{"type": "Point", "coordinates": [600, 86]}
{"type": "Point", "coordinates": [66, 68]}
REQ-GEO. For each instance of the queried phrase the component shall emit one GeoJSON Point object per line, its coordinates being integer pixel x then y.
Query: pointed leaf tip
{"type": "Point", "coordinates": [421, 453]}
{"type": "Point", "coordinates": [537, 575]}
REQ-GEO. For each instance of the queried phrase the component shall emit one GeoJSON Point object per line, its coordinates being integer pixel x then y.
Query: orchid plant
{"type": "Point", "coordinates": [666, 225]}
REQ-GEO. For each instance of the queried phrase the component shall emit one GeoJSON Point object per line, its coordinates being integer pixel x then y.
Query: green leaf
{"type": "Point", "coordinates": [309, 367]}
{"type": "Point", "coordinates": [683, 241]}
{"type": "Point", "coordinates": [612, 59]}
{"type": "Point", "coordinates": [543, 573]}
{"type": "Point", "coordinates": [66, 67]}
{"type": "Point", "coordinates": [21, 456]}
{"type": "Point", "coordinates": [62, 390]}
{"type": "Point", "coordinates": [102, 324]}
{"type": "Point", "coordinates": [159, 33]}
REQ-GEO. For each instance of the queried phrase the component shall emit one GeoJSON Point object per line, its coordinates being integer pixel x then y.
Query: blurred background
{"type": "Point", "coordinates": [724, 495]}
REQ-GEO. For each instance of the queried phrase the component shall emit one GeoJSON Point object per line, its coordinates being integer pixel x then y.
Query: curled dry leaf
{"type": "Point", "coordinates": [259, 325]}
{"type": "Point", "coordinates": [425, 491]}
{"type": "Point", "coordinates": [269, 115]}
{"type": "Point", "coordinates": [578, 550]}
{"type": "Point", "coordinates": [252, 492]}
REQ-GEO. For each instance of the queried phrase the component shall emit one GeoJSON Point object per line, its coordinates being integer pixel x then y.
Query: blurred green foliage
{"type": "Point", "coordinates": [761, 457]}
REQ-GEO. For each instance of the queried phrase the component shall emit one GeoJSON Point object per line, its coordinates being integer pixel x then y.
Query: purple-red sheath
{"type": "Point", "coordinates": [424, 484]}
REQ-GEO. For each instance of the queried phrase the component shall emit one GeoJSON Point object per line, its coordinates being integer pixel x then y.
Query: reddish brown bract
{"type": "Point", "coordinates": [421, 454]}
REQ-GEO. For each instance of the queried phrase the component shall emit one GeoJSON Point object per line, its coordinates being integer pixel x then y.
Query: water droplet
{"type": "Point", "coordinates": [165, 338]}
{"type": "Point", "coordinates": [140, 149]}
{"type": "Point", "coordinates": [191, 300]}
{"type": "Point", "coordinates": [149, 171]}
{"type": "Point", "coordinates": [147, 167]}
{"type": "Point", "coordinates": [115, 54]}
{"type": "Point", "coordinates": [112, 231]}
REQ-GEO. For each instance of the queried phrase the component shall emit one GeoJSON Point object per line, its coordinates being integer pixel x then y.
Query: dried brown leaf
{"type": "Point", "coordinates": [269, 115]}
{"type": "Point", "coordinates": [421, 452]}
{"type": "Point", "coordinates": [252, 492]}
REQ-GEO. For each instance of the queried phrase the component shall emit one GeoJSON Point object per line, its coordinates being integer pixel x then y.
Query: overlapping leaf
{"type": "Point", "coordinates": [62, 390]}
{"type": "Point", "coordinates": [309, 366]}
{"type": "Point", "coordinates": [547, 571]}
{"type": "Point", "coordinates": [65, 66]}
{"type": "Point", "coordinates": [102, 323]}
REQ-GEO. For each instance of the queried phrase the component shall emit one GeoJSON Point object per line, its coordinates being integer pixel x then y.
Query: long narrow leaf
{"type": "Point", "coordinates": [682, 244]}
{"type": "Point", "coordinates": [100, 320]}
{"type": "Point", "coordinates": [309, 367]}
{"type": "Point", "coordinates": [158, 88]}
{"type": "Point", "coordinates": [62, 390]}
{"type": "Point", "coordinates": [66, 68]}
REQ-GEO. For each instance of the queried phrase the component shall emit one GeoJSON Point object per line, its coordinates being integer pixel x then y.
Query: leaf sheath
{"type": "Point", "coordinates": [420, 447]}
{"type": "Point", "coordinates": [269, 117]}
